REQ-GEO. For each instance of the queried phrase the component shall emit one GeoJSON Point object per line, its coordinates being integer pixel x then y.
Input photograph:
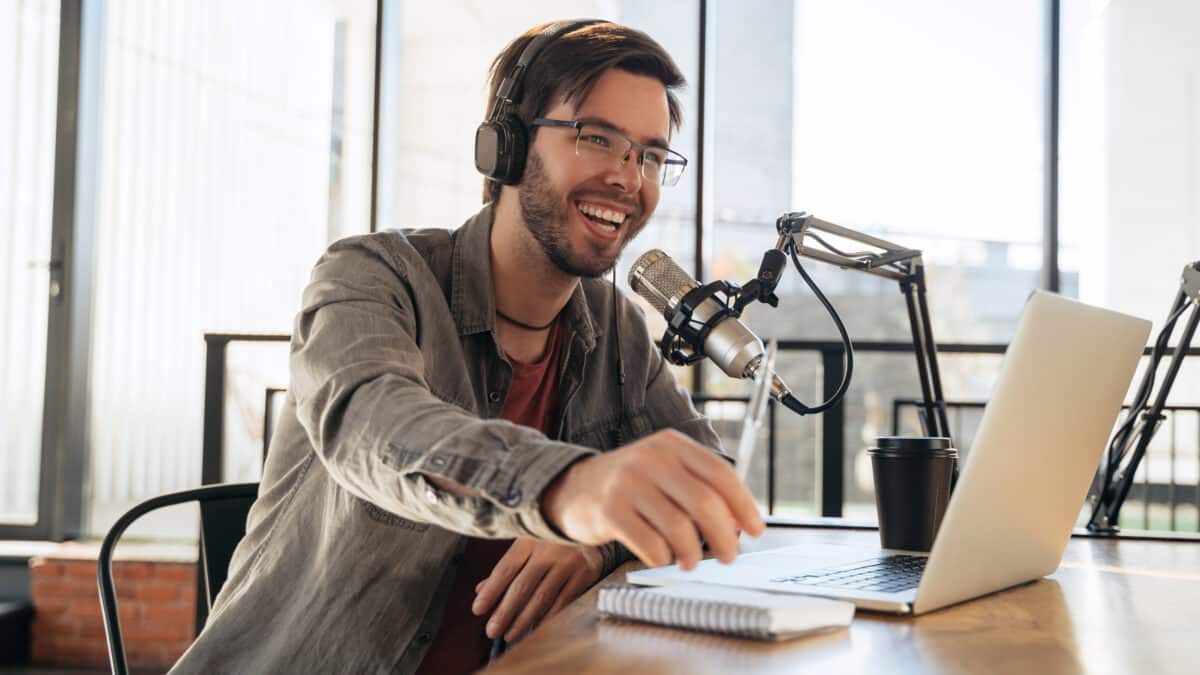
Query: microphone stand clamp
{"type": "Point", "coordinates": [683, 331]}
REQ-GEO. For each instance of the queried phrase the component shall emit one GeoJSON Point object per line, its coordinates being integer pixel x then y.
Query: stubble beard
{"type": "Point", "coordinates": [545, 212]}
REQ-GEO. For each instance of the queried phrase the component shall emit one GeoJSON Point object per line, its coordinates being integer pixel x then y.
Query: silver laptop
{"type": "Point", "coordinates": [1018, 495]}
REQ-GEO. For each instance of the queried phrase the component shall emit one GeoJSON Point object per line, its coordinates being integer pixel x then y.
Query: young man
{"type": "Point", "coordinates": [457, 456]}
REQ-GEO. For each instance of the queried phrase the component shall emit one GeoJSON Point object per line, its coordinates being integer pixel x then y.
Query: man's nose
{"type": "Point", "coordinates": [625, 173]}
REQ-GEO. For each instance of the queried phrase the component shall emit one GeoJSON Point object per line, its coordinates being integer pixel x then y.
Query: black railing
{"type": "Point", "coordinates": [832, 424]}
{"type": "Point", "coordinates": [1170, 494]}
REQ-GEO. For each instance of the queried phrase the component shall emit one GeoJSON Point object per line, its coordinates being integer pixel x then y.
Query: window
{"type": "Point", "coordinates": [1130, 204]}
{"type": "Point", "coordinates": [235, 144]}
{"type": "Point", "coordinates": [28, 77]}
{"type": "Point", "coordinates": [917, 122]}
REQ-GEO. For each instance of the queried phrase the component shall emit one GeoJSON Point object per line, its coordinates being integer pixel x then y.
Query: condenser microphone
{"type": "Point", "coordinates": [724, 339]}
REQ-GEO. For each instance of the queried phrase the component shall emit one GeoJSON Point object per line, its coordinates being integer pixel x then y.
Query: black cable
{"type": "Point", "coordinates": [792, 402]}
{"type": "Point", "coordinates": [858, 257]}
{"type": "Point", "coordinates": [620, 363]}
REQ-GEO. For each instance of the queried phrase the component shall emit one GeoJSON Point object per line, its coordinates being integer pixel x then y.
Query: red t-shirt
{"type": "Point", "coordinates": [461, 645]}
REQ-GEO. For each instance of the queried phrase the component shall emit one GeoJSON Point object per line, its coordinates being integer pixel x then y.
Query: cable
{"type": "Point", "coordinates": [857, 257]}
{"type": "Point", "coordinates": [831, 247]}
{"type": "Point", "coordinates": [792, 402]}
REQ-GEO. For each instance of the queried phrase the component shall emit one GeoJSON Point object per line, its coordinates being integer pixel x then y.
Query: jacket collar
{"type": "Point", "coordinates": [473, 299]}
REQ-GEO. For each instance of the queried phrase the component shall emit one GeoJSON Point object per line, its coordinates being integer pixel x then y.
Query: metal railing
{"type": "Point", "coordinates": [830, 488]}
{"type": "Point", "coordinates": [1171, 494]}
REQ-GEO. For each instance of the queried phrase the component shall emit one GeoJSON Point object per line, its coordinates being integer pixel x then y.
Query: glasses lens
{"type": "Point", "coordinates": [595, 141]}
{"type": "Point", "coordinates": [673, 169]}
{"type": "Point", "coordinates": [653, 160]}
{"type": "Point", "coordinates": [659, 166]}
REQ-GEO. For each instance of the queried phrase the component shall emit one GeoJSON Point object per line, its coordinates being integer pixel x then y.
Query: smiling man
{"type": "Point", "coordinates": [478, 426]}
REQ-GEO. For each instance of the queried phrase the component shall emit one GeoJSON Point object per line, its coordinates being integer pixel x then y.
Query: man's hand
{"type": "Point", "coordinates": [536, 579]}
{"type": "Point", "coordinates": [652, 496]}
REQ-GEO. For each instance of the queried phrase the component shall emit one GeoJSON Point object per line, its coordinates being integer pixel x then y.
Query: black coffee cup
{"type": "Point", "coordinates": [913, 479]}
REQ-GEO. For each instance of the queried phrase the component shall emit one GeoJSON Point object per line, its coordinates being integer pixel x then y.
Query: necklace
{"type": "Point", "coordinates": [522, 324]}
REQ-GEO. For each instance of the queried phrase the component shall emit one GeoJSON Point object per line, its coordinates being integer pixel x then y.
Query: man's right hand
{"type": "Point", "coordinates": [652, 496]}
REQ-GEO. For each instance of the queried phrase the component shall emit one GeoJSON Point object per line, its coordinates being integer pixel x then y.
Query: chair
{"type": "Point", "coordinates": [223, 510]}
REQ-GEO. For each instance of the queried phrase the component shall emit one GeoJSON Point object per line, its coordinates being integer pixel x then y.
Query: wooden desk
{"type": "Point", "coordinates": [1123, 606]}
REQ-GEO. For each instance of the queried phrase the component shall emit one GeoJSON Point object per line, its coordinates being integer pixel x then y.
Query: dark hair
{"type": "Point", "coordinates": [569, 67]}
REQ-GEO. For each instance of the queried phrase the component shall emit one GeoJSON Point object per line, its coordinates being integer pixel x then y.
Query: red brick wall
{"type": "Point", "coordinates": [156, 602]}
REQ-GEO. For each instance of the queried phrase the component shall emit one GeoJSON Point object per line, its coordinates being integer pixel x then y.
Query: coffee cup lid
{"type": "Point", "coordinates": [913, 443]}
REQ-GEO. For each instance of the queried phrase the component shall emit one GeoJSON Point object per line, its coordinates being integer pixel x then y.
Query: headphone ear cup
{"type": "Point", "coordinates": [518, 144]}
{"type": "Point", "coordinates": [489, 143]}
{"type": "Point", "coordinates": [500, 147]}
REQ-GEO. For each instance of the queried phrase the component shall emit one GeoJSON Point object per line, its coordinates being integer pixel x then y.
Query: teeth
{"type": "Point", "coordinates": [606, 214]}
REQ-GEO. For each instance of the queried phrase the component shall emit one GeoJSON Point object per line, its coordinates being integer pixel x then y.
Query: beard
{"type": "Point", "coordinates": [546, 213]}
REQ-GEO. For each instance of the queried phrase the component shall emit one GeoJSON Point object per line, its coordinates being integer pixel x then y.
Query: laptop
{"type": "Point", "coordinates": [1019, 492]}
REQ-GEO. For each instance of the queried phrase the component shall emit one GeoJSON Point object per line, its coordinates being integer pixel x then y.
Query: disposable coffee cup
{"type": "Point", "coordinates": [913, 479]}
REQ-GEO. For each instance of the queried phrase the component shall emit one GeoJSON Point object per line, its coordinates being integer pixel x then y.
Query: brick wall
{"type": "Point", "coordinates": [156, 601]}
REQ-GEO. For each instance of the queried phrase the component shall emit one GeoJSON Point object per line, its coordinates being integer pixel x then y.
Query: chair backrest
{"type": "Point", "coordinates": [223, 510]}
{"type": "Point", "coordinates": [222, 526]}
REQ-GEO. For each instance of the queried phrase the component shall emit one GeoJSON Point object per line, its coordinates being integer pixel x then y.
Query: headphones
{"type": "Point", "coordinates": [502, 140]}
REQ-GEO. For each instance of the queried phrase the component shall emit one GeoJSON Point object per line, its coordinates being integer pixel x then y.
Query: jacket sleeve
{"type": "Point", "coordinates": [669, 406]}
{"type": "Point", "coordinates": [357, 376]}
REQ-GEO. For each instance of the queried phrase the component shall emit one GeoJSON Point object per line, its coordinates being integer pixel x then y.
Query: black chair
{"type": "Point", "coordinates": [223, 510]}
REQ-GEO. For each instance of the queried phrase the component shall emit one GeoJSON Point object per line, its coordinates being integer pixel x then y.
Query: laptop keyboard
{"type": "Point", "coordinates": [886, 575]}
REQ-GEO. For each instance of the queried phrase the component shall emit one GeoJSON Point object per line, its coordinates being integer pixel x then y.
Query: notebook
{"type": "Point", "coordinates": [725, 610]}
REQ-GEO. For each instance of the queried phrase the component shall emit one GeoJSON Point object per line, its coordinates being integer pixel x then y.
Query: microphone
{"type": "Point", "coordinates": [724, 339]}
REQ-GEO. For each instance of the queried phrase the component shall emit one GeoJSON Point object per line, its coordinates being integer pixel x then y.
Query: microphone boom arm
{"type": "Point", "coordinates": [1129, 443]}
{"type": "Point", "coordinates": [893, 262]}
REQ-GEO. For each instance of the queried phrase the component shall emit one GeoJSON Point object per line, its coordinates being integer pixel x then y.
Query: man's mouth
{"type": "Point", "coordinates": [604, 218]}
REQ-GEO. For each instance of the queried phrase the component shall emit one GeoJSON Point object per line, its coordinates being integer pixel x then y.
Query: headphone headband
{"type": "Point", "coordinates": [501, 142]}
{"type": "Point", "coordinates": [510, 89]}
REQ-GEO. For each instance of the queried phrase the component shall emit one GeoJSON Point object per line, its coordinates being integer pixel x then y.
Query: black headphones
{"type": "Point", "coordinates": [502, 140]}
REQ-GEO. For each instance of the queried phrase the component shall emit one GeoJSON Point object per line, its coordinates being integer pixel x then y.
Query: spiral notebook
{"type": "Point", "coordinates": [725, 610]}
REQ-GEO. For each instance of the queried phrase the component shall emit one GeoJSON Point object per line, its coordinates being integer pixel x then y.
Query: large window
{"type": "Point", "coordinates": [28, 87]}
{"type": "Point", "coordinates": [235, 144]}
{"type": "Point", "coordinates": [1130, 202]}
{"type": "Point", "coordinates": [917, 122]}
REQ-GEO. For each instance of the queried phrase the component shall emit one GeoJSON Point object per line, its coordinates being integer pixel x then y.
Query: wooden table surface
{"type": "Point", "coordinates": [1113, 606]}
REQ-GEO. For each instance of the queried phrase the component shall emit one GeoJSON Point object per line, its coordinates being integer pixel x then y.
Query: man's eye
{"type": "Point", "coordinates": [596, 140]}
{"type": "Point", "coordinates": [654, 157]}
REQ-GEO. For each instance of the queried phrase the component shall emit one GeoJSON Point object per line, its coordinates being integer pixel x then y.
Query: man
{"type": "Point", "coordinates": [451, 465]}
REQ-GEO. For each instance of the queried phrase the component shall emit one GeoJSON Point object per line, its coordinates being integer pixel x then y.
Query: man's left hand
{"type": "Point", "coordinates": [534, 580]}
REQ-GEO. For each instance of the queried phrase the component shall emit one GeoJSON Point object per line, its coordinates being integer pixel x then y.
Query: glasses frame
{"type": "Point", "coordinates": [673, 158]}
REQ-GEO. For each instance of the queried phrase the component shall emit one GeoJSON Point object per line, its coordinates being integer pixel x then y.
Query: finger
{"type": "Point", "coordinates": [515, 597]}
{"type": "Point", "coordinates": [539, 603]}
{"type": "Point", "coordinates": [722, 477]}
{"type": "Point", "coordinates": [674, 524]}
{"type": "Point", "coordinates": [509, 565]}
{"type": "Point", "coordinates": [708, 510]}
{"type": "Point", "coordinates": [640, 538]}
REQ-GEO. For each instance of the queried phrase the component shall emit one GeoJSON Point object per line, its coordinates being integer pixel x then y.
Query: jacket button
{"type": "Point", "coordinates": [494, 397]}
{"type": "Point", "coordinates": [438, 460]}
{"type": "Point", "coordinates": [423, 638]}
{"type": "Point", "coordinates": [513, 498]}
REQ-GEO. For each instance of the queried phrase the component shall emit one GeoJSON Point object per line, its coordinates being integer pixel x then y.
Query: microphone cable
{"type": "Point", "coordinates": [788, 399]}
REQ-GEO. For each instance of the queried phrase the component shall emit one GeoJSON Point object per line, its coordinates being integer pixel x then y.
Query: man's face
{"type": "Point", "coordinates": [557, 183]}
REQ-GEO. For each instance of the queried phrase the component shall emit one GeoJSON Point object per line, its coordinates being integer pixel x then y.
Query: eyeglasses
{"type": "Point", "coordinates": [661, 166]}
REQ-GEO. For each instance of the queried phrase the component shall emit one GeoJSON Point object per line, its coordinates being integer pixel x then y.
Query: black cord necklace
{"type": "Point", "coordinates": [522, 324]}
